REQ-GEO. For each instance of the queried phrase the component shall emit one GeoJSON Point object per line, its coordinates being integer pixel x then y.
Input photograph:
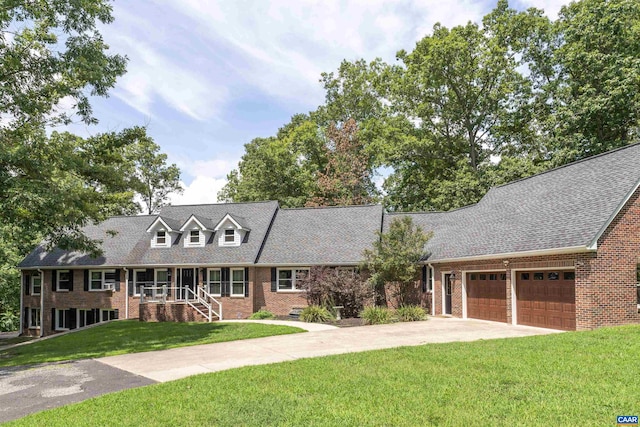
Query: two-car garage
{"type": "Point", "coordinates": [543, 298]}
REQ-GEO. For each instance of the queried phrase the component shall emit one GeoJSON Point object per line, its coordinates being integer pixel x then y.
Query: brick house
{"type": "Point", "coordinates": [560, 250]}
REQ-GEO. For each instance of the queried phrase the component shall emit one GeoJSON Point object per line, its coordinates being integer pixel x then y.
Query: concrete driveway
{"type": "Point", "coordinates": [167, 365]}
{"type": "Point", "coordinates": [25, 390]}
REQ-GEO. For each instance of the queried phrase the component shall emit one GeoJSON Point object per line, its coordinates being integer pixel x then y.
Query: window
{"type": "Point", "coordinates": [569, 275]}
{"type": "Point", "coordinates": [291, 279]}
{"type": "Point", "coordinates": [161, 238]}
{"type": "Point", "coordinates": [229, 236]}
{"type": "Point", "coordinates": [524, 276]}
{"type": "Point", "coordinates": [64, 280]}
{"type": "Point", "coordinates": [87, 317]}
{"type": "Point", "coordinates": [34, 318]}
{"type": "Point", "coordinates": [140, 280]}
{"type": "Point", "coordinates": [194, 236]}
{"type": "Point", "coordinates": [107, 315]}
{"type": "Point", "coordinates": [237, 282]}
{"type": "Point", "coordinates": [553, 276]}
{"type": "Point", "coordinates": [162, 278]}
{"type": "Point", "coordinates": [214, 282]}
{"type": "Point", "coordinates": [36, 284]}
{"type": "Point", "coordinates": [100, 280]}
{"type": "Point", "coordinates": [483, 277]}
{"type": "Point", "coordinates": [63, 320]}
{"type": "Point", "coordinates": [493, 277]}
{"type": "Point", "coordinates": [538, 276]}
{"type": "Point", "coordinates": [473, 277]}
{"type": "Point", "coordinates": [503, 276]}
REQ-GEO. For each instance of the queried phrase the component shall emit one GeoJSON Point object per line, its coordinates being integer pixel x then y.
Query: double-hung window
{"type": "Point", "coordinates": [139, 280]}
{"type": "Point", "coordinates": [34, 318]}
{"type": "Point", "coordinates": [62, 320]}
{"type": "Point", "coordinates": [36, 284]}
{"type": "Point", "coordinates": [214, 282]}
{"type": "Point", "coordinates": [229, 236]}
{"type": "Point", "coordinates": [290, 279]}
{"type": "Point", "coordinates": [194, 237]}
{"type": "Point", "coordinates": [237, 282]}
{"type": "Point", "coordinates": [63, 282]}
{"type": "Point", "coordinates": [102, 280]}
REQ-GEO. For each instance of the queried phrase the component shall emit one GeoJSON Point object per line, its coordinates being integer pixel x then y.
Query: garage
{"type": "Point", "coordinates": [487, 296]}
{"type": "Point", "coordinates": [546, 299]}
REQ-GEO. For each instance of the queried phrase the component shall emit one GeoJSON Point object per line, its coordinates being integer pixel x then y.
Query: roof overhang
{"type": "Point", "coordinates": [593, 244]}
{"type": "Point", "coordinates": [538, 252]}
{"type": "Point", "coordinates": [235, 223]}
{"type": "Point", "coordinates": [191, 219]}
{"type": "Point", "coordinates": [159, 220]}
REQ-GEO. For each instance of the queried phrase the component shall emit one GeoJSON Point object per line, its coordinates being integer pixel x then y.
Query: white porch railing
{"type": "Point", "coordinates": [166, 294]}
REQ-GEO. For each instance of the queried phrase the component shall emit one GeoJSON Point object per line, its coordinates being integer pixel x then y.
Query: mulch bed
{"type": "Point", "coordinates": [342, 323]}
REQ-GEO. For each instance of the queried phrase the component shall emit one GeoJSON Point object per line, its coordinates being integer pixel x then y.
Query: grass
{"type": "Point", "coordinates": [132, 336]}
{"type": "Point", "coordinates": [15, 340]}
{"type": "Point", "coordinates": [580, 378]}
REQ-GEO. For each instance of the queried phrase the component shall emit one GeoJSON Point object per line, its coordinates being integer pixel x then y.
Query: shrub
{"type": "Point", "coordinates": [315, 314]}
{"type": "Point", "coordinates": [328, 287]}
{"type": "Point", "coordinates": [9, 321]}
{"type": "Point", "coordinates": [262, 314]}
{"type": "Point", "coordinates": [376, 315]}
{"type": "Point", "coordinates": [410, 313]}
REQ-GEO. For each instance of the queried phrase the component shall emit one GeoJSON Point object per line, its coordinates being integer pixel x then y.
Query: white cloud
{"type": "Point", "coordinates": [551, 7]}
{"type": "Point", "coordinates": [201, 190]}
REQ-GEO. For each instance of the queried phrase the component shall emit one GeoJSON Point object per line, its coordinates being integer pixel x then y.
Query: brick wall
{"type": "Point", "coordinates": [173, 312]}
{"type": "Point", "coordinates": [279, 303]}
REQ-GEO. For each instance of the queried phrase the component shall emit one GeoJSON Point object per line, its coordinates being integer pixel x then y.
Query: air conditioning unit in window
{"type": "Point", "coordinates": [109, 287]}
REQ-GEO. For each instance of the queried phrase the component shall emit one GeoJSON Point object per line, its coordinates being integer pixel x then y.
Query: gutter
{"type": "Point", "coordinates": [433, 289]}
{"type": "Point", "coordinates": [542, 252]}
{"type": "Point", "coordinates": [42, 288]}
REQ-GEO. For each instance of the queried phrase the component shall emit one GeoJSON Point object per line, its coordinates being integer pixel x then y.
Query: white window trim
{"type": "Point", "coordinates": [294, 276]}
{"type": "Point", "coordinates": [237, 237]}
{"type": "Point", "coordinates": [32, 286]}
{"type": "Point", "coordinates": [103, 281]}
{"type": "Point", "coordinates": [58, 272]}
{"type": "Point", "coordinates": [201, 239]}
{"type": "Point", "coordinates": [209, 281]}
{"type": "Point", "coordinates": [135, 292]}
{"type": "Point", "coordinates": [39, 317]}
{"type": "Point", "coordinates": [231, 282]}
{"type": "Point", "coordinates": [167, 239]}
{"type": "Point", "coordinates": [103, 311]}
{"type": "Point", "coordinates": [156, 282]}
{"type": "Point", "coordinates": [56, 320]}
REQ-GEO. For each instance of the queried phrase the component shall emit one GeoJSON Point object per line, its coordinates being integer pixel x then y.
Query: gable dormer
{"type": "Point", "coordinates": [231, 230]}
{"type": "Point", "coordinates": [195, 232]}
{"type": "Point", "coordinates": [162, 232]}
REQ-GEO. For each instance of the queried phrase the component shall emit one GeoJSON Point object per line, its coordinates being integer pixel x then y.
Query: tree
{"type": "Point", "coordinates": [347, 177]}
{"type": "Point", "coordinates": [395, 257]}
{"type": "Point", "coordinates": [153, 180]}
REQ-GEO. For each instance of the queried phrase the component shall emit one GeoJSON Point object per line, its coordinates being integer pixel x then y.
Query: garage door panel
{"type": "Point", "coordinates": [487, 296]}
{"type": "Point", "coordinates": [546, 299]}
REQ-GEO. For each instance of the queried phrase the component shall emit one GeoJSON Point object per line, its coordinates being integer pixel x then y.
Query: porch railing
{"type": "Point", "coordinates": [199, 299]}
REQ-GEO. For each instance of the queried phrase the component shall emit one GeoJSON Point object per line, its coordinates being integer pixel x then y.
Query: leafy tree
{"type": "Point", "coordinates": [395, 256]}
{"type": "Point", "coordinates": [153, 179]}
{"type": "Point", "coordinates": [347, 177]}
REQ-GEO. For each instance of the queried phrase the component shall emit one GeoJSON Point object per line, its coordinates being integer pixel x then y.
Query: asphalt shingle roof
{"type": "Point", "coordinates": [561, 208]}
{"type": "Point", "coordinates": [329, 236]}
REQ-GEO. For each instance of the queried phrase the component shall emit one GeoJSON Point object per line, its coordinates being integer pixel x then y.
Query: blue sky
{"type": "Point", "coordinates": [206, 77]}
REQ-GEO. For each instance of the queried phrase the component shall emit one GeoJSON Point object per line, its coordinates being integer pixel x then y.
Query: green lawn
{"type": "Point", "coordinates": [583, 378]}
{"type": "Point", "coordinates": [132, 336]}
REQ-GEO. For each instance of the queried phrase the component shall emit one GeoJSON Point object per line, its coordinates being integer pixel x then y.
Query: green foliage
{"type": "Point", "coordinates": [315, 314]}
{"type": "Point", "coordinates": [152, 178]}
{"type": "Point", "coordinates": [132, 336]}
{"type": "Point", "coordinates": [329, 287]}
{"type": "Point", "coordinates": [395, 256]}
{"type": "Point", "coordinates": [374, 315]}
{"type": "Point", "coordinates": [262, 315]}
{"type": "Point", "coordinates": [9, 321]}
{"type": "Point", "coordinates": [410, 313]}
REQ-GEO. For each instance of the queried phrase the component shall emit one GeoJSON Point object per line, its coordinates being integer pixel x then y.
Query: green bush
{"type": "Point", "coordinates": [9, 321]}
{"type": "Point", "coordinates": [315, 314]}
{"type": "Point", "coordinates": [410, 313]}
{"type": "Point", "coordinates": [262, 314]}
{"type": "Point", "coordinates": [376, 315]}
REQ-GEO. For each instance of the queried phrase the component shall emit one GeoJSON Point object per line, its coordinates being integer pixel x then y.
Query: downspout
{"type": "Point", "coordinates": [42, 288]}
{"type": "Point", "coordinates": [433, 289]}
{"type": "Point", "coordinates": [22, 302]}
{"type": "Point", "coordinates": [126, 292]}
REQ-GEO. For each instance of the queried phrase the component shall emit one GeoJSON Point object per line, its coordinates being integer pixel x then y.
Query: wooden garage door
{"type": "Point", "coordinates": [487, 296]}
{"type": "Point", "coordinates": [546, 299]}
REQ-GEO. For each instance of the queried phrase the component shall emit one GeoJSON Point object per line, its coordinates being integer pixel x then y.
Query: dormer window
{"type": "Point", "coordinates": [194, 236]}
{"type": "Point", "coordinates": [161, 238]}
{"type": "Point", "coordinates": [231, 231]}
{"type": "Point", "coordinates": [229, 236]}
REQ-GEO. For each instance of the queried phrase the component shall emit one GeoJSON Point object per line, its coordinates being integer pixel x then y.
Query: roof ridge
{"type": "Point", "coordinates": [221, 204]}
{"type": "Point", "coordinates": [330, 207]}
{"type": "Point", "coordinates": [575, 162]}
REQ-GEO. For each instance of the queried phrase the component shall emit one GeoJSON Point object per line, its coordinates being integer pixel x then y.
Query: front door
{"type": "Point", "coordinates": [186, 281]}
{"type": "Point", "coordinates": [447, 294]}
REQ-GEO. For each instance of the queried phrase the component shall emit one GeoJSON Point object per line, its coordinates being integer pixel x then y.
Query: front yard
{"type": "Point", "coordinates": [577, 378]}
{"type": "Point", "coordinates": [132, 336]}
